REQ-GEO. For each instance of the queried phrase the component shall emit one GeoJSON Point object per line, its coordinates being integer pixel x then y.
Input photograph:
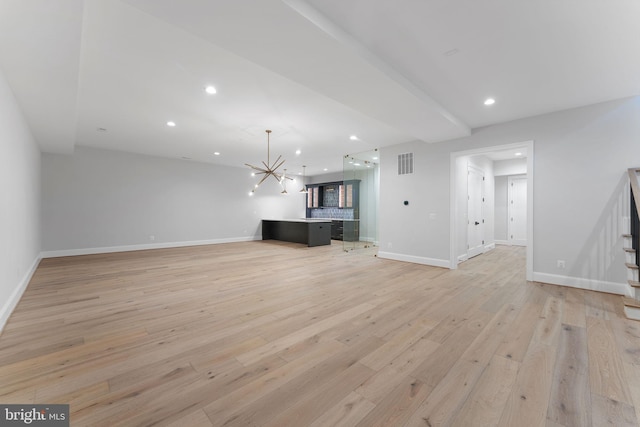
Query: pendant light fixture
{"type": "Point", "coordinates": [304, 189]}
{"type": "Point", "coordinates": [269, 169]}
{"type": "Point", "coordinates": [283, 182]}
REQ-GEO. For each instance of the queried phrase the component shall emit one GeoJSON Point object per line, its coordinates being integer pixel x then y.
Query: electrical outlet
{"type": "Point", "coordinates": [560, 263]}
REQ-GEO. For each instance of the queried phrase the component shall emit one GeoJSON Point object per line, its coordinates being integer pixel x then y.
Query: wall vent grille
{"type": "Point", "coordinates": [405, 163]}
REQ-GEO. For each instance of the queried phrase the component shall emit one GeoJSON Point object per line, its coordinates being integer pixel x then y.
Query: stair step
{"type": "Point", "coordinates": [632, 313]}
{"type": "Point", "coordinates": [634, 284]}
{"type": "Point", "coordinates": [631, 302]}
{"type": "Point", "coordinates": [631, 266]}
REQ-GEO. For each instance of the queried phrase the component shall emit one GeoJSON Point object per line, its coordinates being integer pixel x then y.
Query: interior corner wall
{"type": "Point", "coordinates": [579, 168]}
{"type": "Point", "coordinates": [100, 201]}
{"type": "Point", "coordinates": [19, 204]}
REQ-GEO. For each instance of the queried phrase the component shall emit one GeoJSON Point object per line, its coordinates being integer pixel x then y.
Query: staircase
{"type": "Point", "coordinates": [632, 248]}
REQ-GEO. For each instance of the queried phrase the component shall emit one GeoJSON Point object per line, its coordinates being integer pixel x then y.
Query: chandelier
{"type": "Point", "coordinates": [270, 169]}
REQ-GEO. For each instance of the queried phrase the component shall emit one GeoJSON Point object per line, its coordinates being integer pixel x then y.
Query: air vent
{"type": "Point", "coordinates": [405, 163]}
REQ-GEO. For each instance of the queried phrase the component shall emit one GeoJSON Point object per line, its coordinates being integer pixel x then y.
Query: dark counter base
{"type": "Point", "coordinates": [309, 233]}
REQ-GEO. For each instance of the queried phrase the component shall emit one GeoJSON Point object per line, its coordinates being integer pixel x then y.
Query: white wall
{"type": "Point", "coordinates": [510, 167]}
{"type": "Point", "coordinates": [19, 204]}
{"type": "Point", "coordinates": [327, 177]}
{"type": "Point", "coordinates": [580, 161]}
{"type": "Point", "coordinates": [98, 200]}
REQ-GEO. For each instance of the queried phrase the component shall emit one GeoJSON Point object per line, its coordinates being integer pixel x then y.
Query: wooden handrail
{"type": "Point", "coordinates": [635, 186]}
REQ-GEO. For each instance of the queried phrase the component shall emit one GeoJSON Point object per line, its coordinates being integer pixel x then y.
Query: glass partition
{"type": "Point", "coordinates": [359, 200]}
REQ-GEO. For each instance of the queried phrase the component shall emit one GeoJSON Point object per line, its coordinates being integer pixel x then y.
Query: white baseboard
{"type": "Point", "coordinates": [462, 258]}
{"type": "Point", "coordinates": [503, 242]}
{"type": "Point", "coordinates": [589, 284]}
{"type": "Point", "coordinates": [489, 247]}
{"type": "Point", "coordinates": [414, 259]}
{"type": "Point", "coordinates": [128, 248]}
{"type": "Point", "coordinates": [8, 307]}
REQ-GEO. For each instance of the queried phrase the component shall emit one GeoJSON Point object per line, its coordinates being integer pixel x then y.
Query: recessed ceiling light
{"type": "Point", "coordinates": [375, 158]}
{"type": "Point", "coordinates": [216, 153]}
{"type": "Point", "coordinates": [210, 90]}
{"type": "Point", "coordinates": [489, 101]}
{"type": "Point", "coordinates": [356, 164]}
{"type": "Point", "coordinates": [298, 152]}
{"type": "Point", "coordinates": [325, 169]}
{"type": "Point", "coordinates": [518, 154]}
{"type": "Point", "coordinates": [171, 124]}
{"type": "Point", "coordinates": [353, 138]}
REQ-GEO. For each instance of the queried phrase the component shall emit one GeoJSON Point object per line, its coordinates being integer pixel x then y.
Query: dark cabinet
{"type": "Point", "coordinates": [339, 202]}
{"type": "Point", "coordinates": [337, 230]}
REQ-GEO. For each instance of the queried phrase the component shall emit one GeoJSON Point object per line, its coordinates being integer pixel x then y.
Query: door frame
{"type": "Point", "coordinates": [454, 208]}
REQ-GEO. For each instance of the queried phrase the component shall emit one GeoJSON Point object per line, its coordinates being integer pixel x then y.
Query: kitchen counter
{"type": "Point", "coordinates": [310, 231]}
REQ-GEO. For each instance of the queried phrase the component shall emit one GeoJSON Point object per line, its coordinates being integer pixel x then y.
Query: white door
{"type": "Point", "coordinates": [475, 234]}
{"type": "Point", "coordinates": [517, 210]}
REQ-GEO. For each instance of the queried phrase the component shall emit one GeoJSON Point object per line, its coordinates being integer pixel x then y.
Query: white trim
{"type": "Point", "coordinates": [462, 258]}
{"type": "Point", "coordinates": [503, 242]}
{"type": "Point", "coordinates": [489, 247]}
{"type": "Point", "coordinates": [12, 302]}
{"type": "Point", "coordinates": [588, 284]}
{"type": "Point", "coordinates": [128, 248]}
{"type": "Point", "coordinates": [434, 262]}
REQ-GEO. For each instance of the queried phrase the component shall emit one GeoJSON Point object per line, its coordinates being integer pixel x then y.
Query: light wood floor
{"type": "Point", "coordinates": [277, 334]}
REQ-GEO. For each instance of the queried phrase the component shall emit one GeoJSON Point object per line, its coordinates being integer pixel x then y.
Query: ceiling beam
{"type": "Point", "coordinates": [325, 24]}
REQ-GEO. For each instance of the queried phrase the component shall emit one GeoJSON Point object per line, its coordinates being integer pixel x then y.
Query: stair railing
{"type": "Point", "coordinates": [635, 209]}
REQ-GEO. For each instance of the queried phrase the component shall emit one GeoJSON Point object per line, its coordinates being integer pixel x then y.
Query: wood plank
{"type": "Point", "coordinates": [201, 335]}
{"type": "Point", "coordinates": [486, 402]}
{"type": "Point", "coordinates": [396, 372]}
{"type": "Point", "coordinates": [570, 400]}
{"type": "Point", "coordinates": [609, 412]}
{"type": "Point", "coordinates": [346, 413]}
{"type": "Point", "coordinates": [574, 309]}
{"type": "Point", "coordinates": [398, 405]}
{"type": "Point", "coordinates": [518, 336]}
{"type": "Point", "coordinates": [530, 397]}
{"type": "Point", "coordinates": [606, 372]}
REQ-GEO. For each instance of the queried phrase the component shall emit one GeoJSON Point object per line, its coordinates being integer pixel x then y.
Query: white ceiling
{"type": "Point", "coordinates": [314, 71]}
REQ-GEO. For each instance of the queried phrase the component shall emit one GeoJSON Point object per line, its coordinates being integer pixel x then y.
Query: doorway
{"type": "Point", "coordinates": [461, 238]}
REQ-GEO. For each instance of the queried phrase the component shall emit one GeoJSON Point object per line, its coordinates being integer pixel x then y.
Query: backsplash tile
{"type": "Point", "coordinates": [332, 213]}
